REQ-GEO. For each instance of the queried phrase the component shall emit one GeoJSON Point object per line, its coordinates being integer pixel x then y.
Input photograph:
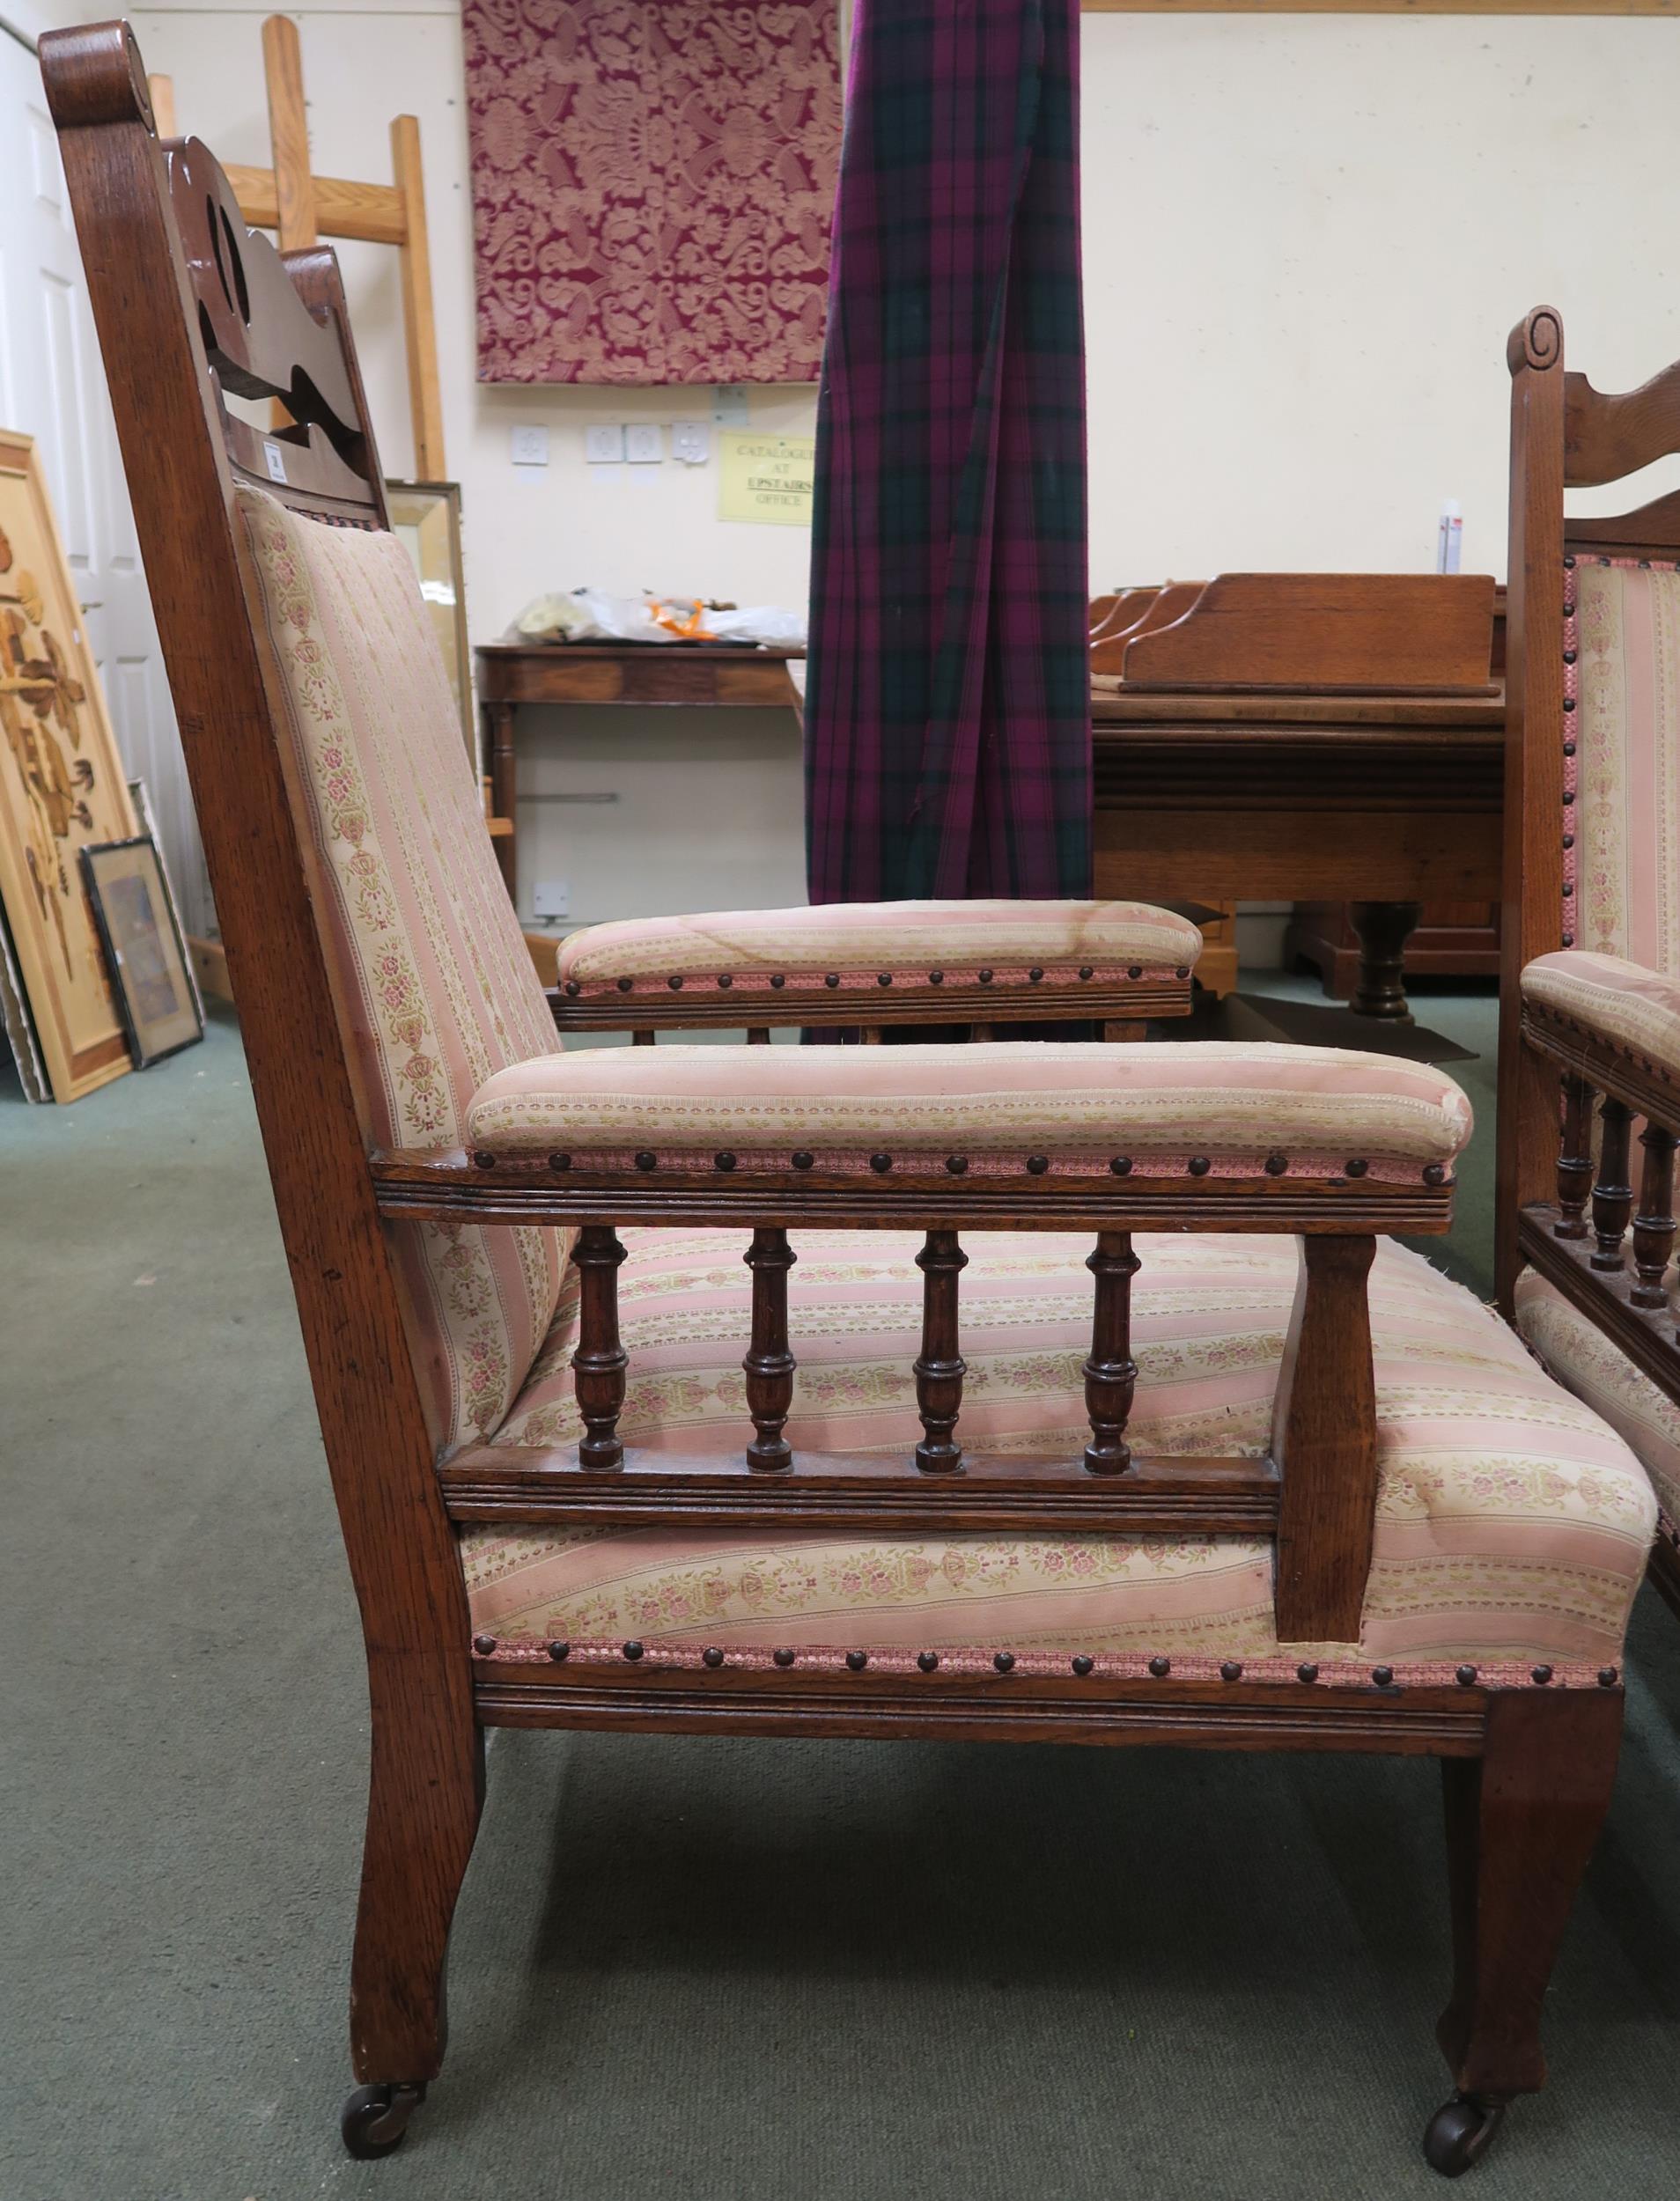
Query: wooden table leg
{"type": "Point", "coordinates": [1383, 929]}
{"type": "Point", "coordinates": [498, 719]}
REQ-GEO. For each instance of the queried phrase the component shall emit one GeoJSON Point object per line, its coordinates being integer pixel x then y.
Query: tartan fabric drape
{"type": "Point", "coordinates": [948, 713]}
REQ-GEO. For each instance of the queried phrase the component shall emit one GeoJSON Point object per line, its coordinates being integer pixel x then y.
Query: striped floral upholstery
{"type": "Point", "coordinates": [1581, 1356]}
{"type": "Point", "coordinates": [441, 989]}
{"type": "Point", "coordinates": [1066, 942]}
{"type": "Point", "coordinates": [1634, 1007]}
{"type": "Point", "coordinates": [1623, 689]}
{"type": "Point", "coordinates": [1511, 1522]}
{"type": "Point", "coordinates": [1077, 1107]}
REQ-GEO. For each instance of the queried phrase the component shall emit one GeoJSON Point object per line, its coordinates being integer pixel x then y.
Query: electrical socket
{"type": "Point", "coordinates": [691, 441]}
{"type": "Point", "coordinates": [552, 898]}
{"type": "Point", "coordinates": [529, 446]}
{"type": "Point", "coordinates": [643, 444]}
{"type": "Point", "coordinates": [604, 446]}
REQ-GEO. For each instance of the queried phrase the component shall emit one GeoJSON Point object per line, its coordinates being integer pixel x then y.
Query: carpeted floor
{"type": "Point", "coordinates": [739, 1971]}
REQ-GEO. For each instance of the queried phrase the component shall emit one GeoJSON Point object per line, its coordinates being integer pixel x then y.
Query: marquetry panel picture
{"type": "Point", "coordinates": [62, 787]}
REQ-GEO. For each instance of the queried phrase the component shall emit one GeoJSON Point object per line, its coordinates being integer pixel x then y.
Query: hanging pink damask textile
{"type": "Point", "coordinates": [652, 181]}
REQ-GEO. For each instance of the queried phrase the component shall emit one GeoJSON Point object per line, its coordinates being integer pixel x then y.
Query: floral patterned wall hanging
{"type": "Point", "coordinates": [653, 182]}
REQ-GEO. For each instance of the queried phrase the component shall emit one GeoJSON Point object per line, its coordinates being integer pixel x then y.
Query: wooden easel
{"type": "Point", "coordinates": [302, 208]}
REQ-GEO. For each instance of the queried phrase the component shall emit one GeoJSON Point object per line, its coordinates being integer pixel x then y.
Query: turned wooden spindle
{"type": "Point", "coordinates": [1612, 1194]}
{"type": "Point", "coordinates": [770, 1366]}
{"type": "Point", "coordinates": [940, 1367]}
{"type": "Point", "coordinates": [598, 1364]}
{"type": "Point", "coordinates": [1574, 1157]}
{"type": "Point", "coordinates": [1111, 1374]}
{"type": "Point", "coordinates": [1653, 1225]}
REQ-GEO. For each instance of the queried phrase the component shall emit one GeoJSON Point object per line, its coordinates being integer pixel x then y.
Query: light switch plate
{"type": "Point", "coordinates": [643, 444]}
{"type": "Point", "coordinates": [691, 441]}
{"type": "Point", "coordinates": [603, 445]}
{"type": "Point", "coordinates": [552, 898]}
{"type": "Point", "coordinates": [529, 446]}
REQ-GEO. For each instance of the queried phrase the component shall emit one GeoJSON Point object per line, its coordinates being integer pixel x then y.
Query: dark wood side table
{"type": "Point", "coordinates": [650, 675]}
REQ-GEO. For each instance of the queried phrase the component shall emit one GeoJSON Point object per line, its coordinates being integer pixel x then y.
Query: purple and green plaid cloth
{"type": "Point", "coordinates": [947, 702]}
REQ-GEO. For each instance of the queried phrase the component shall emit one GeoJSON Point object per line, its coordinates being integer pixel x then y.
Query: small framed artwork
{"type": "Point", "coordinates": [425, 518]}
{"type": "Point", "coordinates": [141, 935]}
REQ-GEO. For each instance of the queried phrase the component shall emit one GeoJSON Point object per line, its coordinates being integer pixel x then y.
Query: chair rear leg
{"type": "Point", "coordinates": [1521, 1821]}
{"type": "Point", "coordinates": [425, 1793]}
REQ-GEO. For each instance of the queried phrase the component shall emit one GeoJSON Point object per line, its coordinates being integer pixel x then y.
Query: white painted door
{"type": "Point", "coordinates": [52, 386]}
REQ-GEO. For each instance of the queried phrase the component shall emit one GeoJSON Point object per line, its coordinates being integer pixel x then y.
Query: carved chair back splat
{"type": "Point", "coordinates": [194, 312]}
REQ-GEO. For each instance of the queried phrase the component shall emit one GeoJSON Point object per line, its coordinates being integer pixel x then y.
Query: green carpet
{"type": "Point", "coordinates": [711, 1971]}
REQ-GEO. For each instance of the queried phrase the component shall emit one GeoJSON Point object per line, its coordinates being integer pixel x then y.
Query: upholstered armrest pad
{"type": "Point", "coordinates": [1628, 1005]}
{"type": "Point", "coordinates": [854, 943]}
{"type": "Point", "coordinates": [1162, 1110]}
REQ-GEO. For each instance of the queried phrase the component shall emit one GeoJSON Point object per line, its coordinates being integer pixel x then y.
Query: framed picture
{"type": "Point", "coordinates": [425, 518]}
{"type": "Point", "coordinates": [143, 942]}
{"type": "Point", "coordinates": [62, 787]}
{"type": "Point", "coordinates": [148, 825]}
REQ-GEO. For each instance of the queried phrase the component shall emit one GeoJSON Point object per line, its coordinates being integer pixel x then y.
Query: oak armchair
{"type": "Point", "coordinates": [1589, 1056]}
{"type": "Point", "coordinates": [1288, 1490]}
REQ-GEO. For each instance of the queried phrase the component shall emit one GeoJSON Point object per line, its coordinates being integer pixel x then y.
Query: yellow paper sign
{"type": "Point", "coordinates": [766, 478]}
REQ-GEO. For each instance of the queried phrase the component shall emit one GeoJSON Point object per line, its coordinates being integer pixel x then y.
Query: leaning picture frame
{"type": "Point", "coordinates": [143, 948]}
{"type": "Point", "coordinates": [425, 518]}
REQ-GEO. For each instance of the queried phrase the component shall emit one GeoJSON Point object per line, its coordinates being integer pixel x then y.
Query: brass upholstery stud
{"type": "Point", "coordinates": [784, 1657]}
{"type": "Point", "coordinates": [624, 985]}
{"type": "Point", "coordinates": [957, 1164]}
{"type": "Point", "coordinates": [1035, 974]}
{"type": "Point", "coordinates": [1038, 1164]}
{"type": "Point", "coordinates": [1231, 1670]}
{"type": "Point", "coordinates": [1569, 748]}
{"type": "Point", "coordinates": [1004, 1661]}
{"type": "Point", "coordinates": [1135, 970]}
{"type": "Point", "coordinates": [857, 1660]}
{"type": "Point", "coordinates": [928, 1661]}
{"type": "Point", "coordinates": [1465, 1677]}
{"type": "Point", "coordinates": [559, 1163]}
{"type": "Point", "coordinates": [1087, 970]}
{"type": "Point", "coordinates": [778, 979]}
{"type": "Point", "coordinates": [725, 980]}
{"type": "Point", "coordinates": [1569, 561]}
{"type": "Point", "coordinates": [1182, 971]}
{"type": "Point", "coordinates": [725, 1161]}
{"type": "Point", "coordinates": [1356, 1168]}
{"type": "Point", "coordinates": [1569, 703]}
{"type": "Point", "coordinates": [1082, 1666]}
{"type": "Point", "coordinates": [1308, 1673]}
{"type": "Point", "coordinates": [883, 978]}
{"type": "Point", "coordinates": [711, 1656]}
{"type": "Point", "coordinates": [833, 979]}
{"type": "Point", "coordinates": [1121, 1165]}
{"type": "Point", "coordinates": [936, 979]}
{"type": "Point", "coordinates": [1200, 1165]}
{"type": "Point", "coordinates": [1160, 1668]}
{"type": "Point", "coordinates": [1540, 1675]}
{"type": "Point", "coordinates": [880, 1164]}
{"type": "Point", "coordinates": [574, 987]}
{"type": "Point", "coordinates": [483, 1161]}
{"type": "Point", "coordinates": [1569, 657]}
{"type": "Point", "coordinates": [985, 978]}
{"type": "Point", "coordinates": [803, 1161]}
{"type": "Point", "coordinates": [1383, 1676]}
{"type": "Point", "coordinates": [1277, 1165]}
{"type": "Point", "coordinates": [633, 1651]}
{"type": "Point", "coordinates": [676, 984]}
{"type": "Point", "coordinates": [484, 1645]}
{"type": "Point", "coordinates": [1434, 1173]}
{"type": "Point", "coordinates": [1607, 1677]}
{"type": "Point", "coordinates": [645, 1161]}
{"type": "Point", "coordinates": [559, 1653]}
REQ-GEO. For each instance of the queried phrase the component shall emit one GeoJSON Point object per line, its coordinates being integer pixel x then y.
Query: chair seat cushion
{"type": "Point", "coordinates": [996, 1104]}
{"type": "Point", "coordinates": [1581, 1356]}
{"type": "Point", "coordinates": [1631, 1006]}
{"type": "Point", "coordinates": [1511, 1522]}
{"type": "Point", "coordinates": [1069, 943]}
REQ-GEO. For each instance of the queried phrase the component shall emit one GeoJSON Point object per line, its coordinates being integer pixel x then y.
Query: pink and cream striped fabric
{"type": "Point", "coordinates": [1635, 1007]}
{"type": "Point", "coordinates": [1511, 1523]}
{"type": "Point", "coordinates": [1077, 1106]}
{"type": "Point", "coordinates": [858, 941]}
{"type": "Point", "coordinates": [441, 987]}
{"type": "Point", "coordinates": [1622, 691]}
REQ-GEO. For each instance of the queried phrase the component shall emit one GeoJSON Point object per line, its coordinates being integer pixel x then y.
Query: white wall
{"type": "Point", "coordinates": [1305, 238]}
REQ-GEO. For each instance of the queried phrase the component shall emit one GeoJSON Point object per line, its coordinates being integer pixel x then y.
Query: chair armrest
{"type": "Point", "coordinates": [879, 962]}
{"type": "Point", "coordinates": [1177, 1113]}
{"type": "Point", "coordinates": [1625, 1011]}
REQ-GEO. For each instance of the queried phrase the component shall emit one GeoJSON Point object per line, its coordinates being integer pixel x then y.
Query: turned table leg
{"type": "Point", "coordinates": [1383, 929]}
{"type": "Point", "coordinates": [498, 718]}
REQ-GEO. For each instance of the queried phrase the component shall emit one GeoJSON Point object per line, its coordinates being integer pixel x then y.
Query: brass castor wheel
{"type": "Point", "coordinates": [375, 2118]}
{"type": "Point", "coordinates": [1460, 2133]}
